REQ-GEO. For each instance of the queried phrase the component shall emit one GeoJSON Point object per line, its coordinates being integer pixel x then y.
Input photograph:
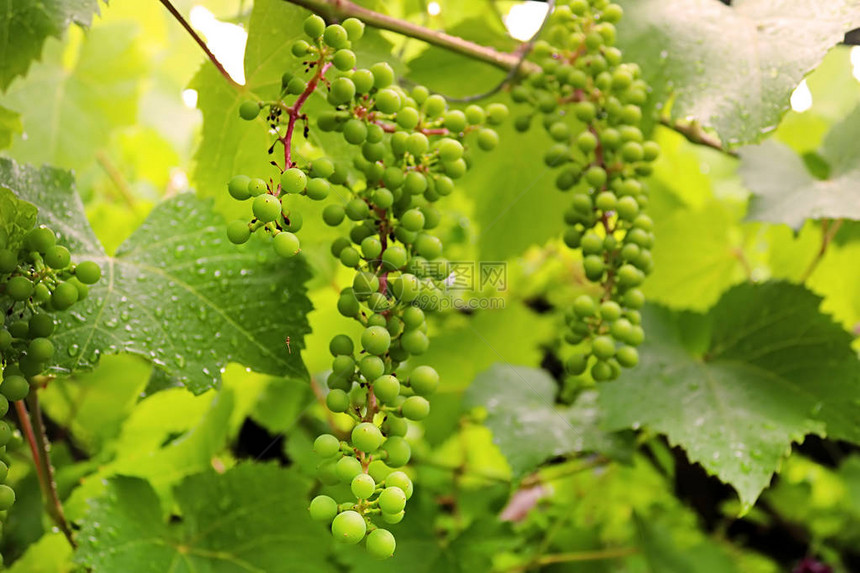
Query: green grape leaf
{"type": "Point", "coordinates": [10, 124]}
{"type": "Point", "coordinates": [672, 553]}
{"type": "Point", "coordinates": [68, 114]}
{"type": "Point", "coordinates": [732, 68]}
{"type": "Point", "coordinates": [50, 554]}
{"type": "Point", "coordinates": [517, 206]}
{"type": "Point", "coordinates": [251, 518]}
{"type": "Point", "coordinates": [737, 386]}
{"type": "Point", "coordinates": [177, 292]}
{"type": "Point", "coordinates": [786, 192]}
{"type": "Point", "coordinates": [26, 24]}
{"type": "Point", "coordinates": [16, 218]}
{"type": "Point", "coordinates": [527, 425]}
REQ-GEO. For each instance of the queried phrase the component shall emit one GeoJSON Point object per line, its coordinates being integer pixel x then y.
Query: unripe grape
{"type": "Point", "coordinates": [314, 26]}
{"type": "Point", "coordinates": [497, 113]}
{"type": "Point", "coordinates": [585, 111]}
{"type": "Point", "coordinates": [388, 101]}
{"type": "Point", "coordinates": [584, 306]}
{"type": "Point", "coordinates": [650, 150]}
{"type": "Point", "coordinates": [595, 176]}
{"type": "Point", "coordinates": [398, 450]}
{"type": "Point", "coordinates": [266, 208]}
{"type": "Point", "coordinates": [40, 239]}
{"type": "Point", "coordinates": [20, 288]}
{"type": "Point", "coordinates": [7, 497]}
{"type": "Point", "coordinates": [488, 139]}
{"type": "Point", "coordinates": [344, 60]}
{"type": "Point", "coordinates": [40, 349]}
{"type": "Point", "coordinates": [14, 387]}
{"type": "Point", "coordinates": [383, 75]}
{"type": "Point", "coordinates": [64, 295]}
{"type": "Point", "coordinates": [347, 468]}
{"type": "Point", "coordinates": [257, 187]}
{"type": "Point", "coordinates": [393, 517]}
{"type": "Point", "coordinates": [299, 49]}
{"type": "Point", "coordinates": [576, 363]}
{"type": "Point", "coordinates": [249, 110]}
{"type": "Point", "coordinates": [415, 183]}
{"type": "Point", "coordinates": [238, 187]}
{"type": "Point", "coordinates": [415, 407]}
{"type": "Point", "coordinates": [627, 356]}
{"type": "Point", "coordinates": [628, 275]}
{"type": "Point", "coordinates": [375, 340]}
{"type": "Point", "coordinates": [341, 344]}
{"type": "Point", "coordinates": [362, 486]}
{"type": "Point", "coordinates": [333, 215]}
{"type": "Point", "coordinates": [586, 142]}
{"type": "Point", "coordinates": [41, 325]}
{"type": "Point", "coordinates": [424, 380]}
{"type": "Point", "coordinates": [348, 527]}
{"type": "Point", "coordinates": [634, 298]}
{"type": "Point", "coordinates": [366, 436]}
{"type": "Point", "coordinates": [355, 131]}
{"type": "Point", "coordinates": [428, 246]}
{"type": "Point", "coordinates": [475, 115]}
{"type": "Point", "coordinates": [354, 28]}
{"type": "Point", "coordinates": [594, 267]}
{"type": "Point", "coordinates": [323, 508]}
{"type": "Point", "coordinates": [58, 257]}
{"type": "Point", "coordinates": [357, 210]}
{"type": "Point", "coordinates": [286, 244]}
{"type": "Point", "coordinates": [342, 90]}
{"type": "Point", "coordinates": [363, 80]}
{"type": "Point", "coordinates": [394, 257]}
{"type": "Point", "coordinates": [326, 446]}
{"type": "Point", "coordinates": [88, 272]}
{"type": "Point", "coordinates": [337, 400]}
{"type": "Point", "coordinates": [455, 120]}
{"type": "Point", "coordinates": [392, 500]}
{"type": "Point", "coordinates": [380, 543]}
{"type": "Point", "coordinates": [407, 117]}
{"type": "Point", "coordinates": [601, 371]}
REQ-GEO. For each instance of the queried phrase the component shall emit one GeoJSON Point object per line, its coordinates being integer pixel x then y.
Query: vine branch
{"type": "Point", "coordinates": [341, 9]}
{"type": "Point", "coordinates": [184, 23]}
{"type": "Point", "coordinates": [40, 448]}
{"type": "Point", "coordinates": [695, 133]}
{"type": "Point", "coordinates": [829, 227]}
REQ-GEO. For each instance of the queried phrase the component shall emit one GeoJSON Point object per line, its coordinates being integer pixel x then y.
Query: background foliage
{"type": "Point", "coordinates": [730, 448]}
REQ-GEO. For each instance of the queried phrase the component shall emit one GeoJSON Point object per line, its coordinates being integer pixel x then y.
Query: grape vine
{"type": "Point", "coordinates": [36, 280]}
{"type": "Point", "coordinates": [411, 149]}
{"type": "Point", "coordinates": [590, 102]}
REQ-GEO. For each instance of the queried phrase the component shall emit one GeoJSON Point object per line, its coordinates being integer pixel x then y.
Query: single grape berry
{"type": "Point", "coordinates": [326, 446]}
{"type": "Point", "coordinates": [286, 244]}
{"type": "Point", "coordinates": [266, 208]}
{"type": "Point", "coordinates": [238, 232]}
{"type": "Point", "coordinates": [19, 288]}
{"type": "Point", "coordinates": [238, 187]}
{"type": "Point", "coordinates": [249, 110]}
{"type": "Point", "coordinates": [41, 239]}
{"type": "Point", "coordinates": [40, 349]}
{"type": "Point", "coordinates": [336, 36]}
{"type": "Point", "coordinates": [362, 486]}
{"type": "Point", "coordinates": [8, 261]}
{"type": "Point", "coordinates": [14, 387]}
{"type": "Point", "coordinates": [415, 408]}
{"type": "Point", "coordinates": [293, 180]}
{"type": "Point", "coordinates": [7, 497]}
{"type": "Point", "coordinates": [366, 437]}
{"type": "Point", "coordinates": [424, 380]}
{"type": "Point", "coordinates": [88, 272]}
{"type": "Point", "coordinates": [314, 26]}
{"type": "Point", "coordinates": [348, 527]}
{"type": "Point", "coordinates": [380, 543]}
{"type": "Point", "coordinates": [375, 340]}
{"type": "Point", "coordinates": [398, 451]}
{"type": "Point", "coordinates": [65, 295]}
{"type": "Point", "coordinates": [392, 500]}
{"type": "Point", "coordinates": [323, 508]}
{"type": "Point", "coordinates": [344, 60]}
{"type": "Point", "coordinates": [354, 28]}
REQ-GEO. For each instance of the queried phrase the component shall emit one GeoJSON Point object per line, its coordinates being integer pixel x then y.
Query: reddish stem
{"type": "Point", "coordinates": [27, 427]}
{"type": "Point", "coordinates": [294, 110]}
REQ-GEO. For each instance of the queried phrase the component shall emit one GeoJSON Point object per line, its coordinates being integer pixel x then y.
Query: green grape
{"type": "Point", "coordinates": [14, 387]}
{"type": "Point", "coordinates": [388, 101]}
{"type": "Point", "coordinates": [326, 446]}
{"type": "Point", "coordinates": [347, 468]}
{"type": "Point", "coordinates": [323, 509]}
{"type": "Point", "coordinates": [415, 342]}
{"type": "Point", "coordinates": [299, 49]}
{"type": "Point", "coordinates": [88, 272]}
{"type": "Point", "coordinates": [249, 110]}
{"type": "Point", "coordinates": [488, 139]}
{"type": "Point", "coordinates": [576, 363]}
{"type": "Point", "coordinates": [394, 257]}
{"type": "Point", "coordinates": [266, 208]}
{"type": "Point", "coordinates": [333, 215]}
{"type": "Point", "coordinates": [5, 433]}
{"type": "Point", "coordinates": [354, 28]}
{"type": "Point", "coordinates": [19, 288]}
{"type": "Point", "coordinates": [383, 75]}
{"type": "Point", "coordinates": [393, 517]}
{"type": "Point", "coordinates": [407, 117]}
{"type": "Point", "coordinates": [257, 187]}
{"type": "Point", "coordinates": [341, 344]}
{"type": "Point", "coordinates": [336, 36]}
{"type": "Point", "coordinates": [386, 388]}
{"type": "Point", "coordinates": [424, 380]}
{"type": "Point", "coordinates": [342, 91]}
{"type": "Point", "coordinates": [497, 113]}
{"type": "Point", "coordinates": [40, 349]}
{"type": "Point", "coordinates": [4, 469]}
{"type": "Point", "coordinates": [41, 239]}
{"type": "Point", "coordinates": [286, 244]}
{"type": "Point", "coordinates": [366, 437]}
{"type": "Point", "coordinates": [238, 187]}
{"type": "Point", "coordinates": [398, 451]}
{"type": "Point", "coordinates": [348, 527]}
{"type": "Point", "coordinates": [363, 486]}
{"type": "Point", "coordinates": [355, 131]}
{"type": "Point", "coordinates": [627, 356]}
{"type": "Point", "coordinates": [238, 232]}
{"type": "Point", "coordinates": [375, 340]}
{"type": "Point", "coordinates": [357, 210]}
{"type": "Point", "coordinates": [415, 408]}
{"type": "Point", "coordinates": [401, 480]}
{"type": "Point", "coordinates": [7, 497]}
{"type": "Point", "coordinates": [8, 261]}
{"type": "Point", "coordinates": [5, 339]}
{"type": "Point", "coordinates": [314, 26]}
{"type": "Point", "coordinates": [455, 120]}
{"type": "Point", "coordinates": [293, 180]}
{"type": "Point", "coordinates": [392, 500]}
{"type": "Point", "coordinates": [380, 543]}
{"type": "Point", "coordinates": [603, 347]}
{"type": "Point", "coordinates": [65, 295]}
{"type": "Point", "coordinates": [428, 246]}
{"type": "Point", "coordinates": [297, 85]}
{"type": "Point", "coordinates": [344, 60]}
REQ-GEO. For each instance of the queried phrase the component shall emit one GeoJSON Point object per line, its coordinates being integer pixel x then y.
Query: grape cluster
{"type": "Point", "coordinates": [590, 103]}
{"type": "Point", "coordinates": [409, 147]}
{"type": "Point", "coordinates": [35, 280]}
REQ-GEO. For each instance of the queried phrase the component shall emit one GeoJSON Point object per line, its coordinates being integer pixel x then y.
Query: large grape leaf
{"type": "Point", "coordinates": [737, 386]}
{"type": "Point", "coordinates": [527, 425]}
{"type": "Point", "coordinates": [251, 518]}
{"type": "Point", "coordinates": [732, 68]}
{"type": "Point", "coordinates": [16, 218]}
{"type": "Point", "coordinates": [177, 292]}
{"type": "Point", "coordinates": [68, 112]}
{"type": "Point", "coordinates": [26, 24]}
{"type": "Point", "coordinates": [50, 554]}
{"type": "Point", "coordinates": [786, 192]}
